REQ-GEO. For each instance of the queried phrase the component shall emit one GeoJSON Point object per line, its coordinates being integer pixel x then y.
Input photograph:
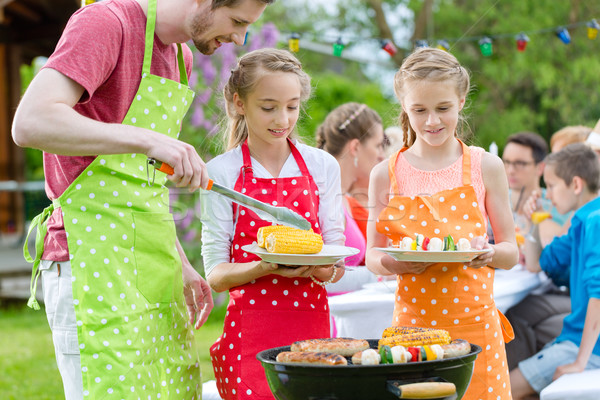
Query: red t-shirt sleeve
{"type": "Point", "coordinates": [89, 48]}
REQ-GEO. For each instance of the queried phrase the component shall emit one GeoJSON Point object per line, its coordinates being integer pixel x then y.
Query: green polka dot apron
{"type": "Point", "coordinates": [448, 295]}
{"type": "Point", "coordinates": [134, 335]}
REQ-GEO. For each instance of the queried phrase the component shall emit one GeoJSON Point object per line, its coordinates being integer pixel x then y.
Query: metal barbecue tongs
{"type": "Point", "coordinates": [278, 215]}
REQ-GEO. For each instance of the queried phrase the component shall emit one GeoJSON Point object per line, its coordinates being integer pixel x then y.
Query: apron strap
{"type": "Point", "coordinates": [394, 190]}
{"type": "Point", "coordinates": [466, 167]}
{"type": "Point", "coordinates": [183, 79]}
{"type": "Point", "coordinates": [246, 172]}
{"type": "Point", "coordinates": [508, 333]}
{"type": "Point", "coordinates": [466, 164]}
{"type": "Point", "coordinates": [247, 161]}
{"type": "Point", "coordinates": [299, 160]}
{"type": "Point", "coordinates": [149, 46]}
{"type": "Point", "coordinates": [149, 42]}
{"type": "Point", "coordinates": [41, 222]}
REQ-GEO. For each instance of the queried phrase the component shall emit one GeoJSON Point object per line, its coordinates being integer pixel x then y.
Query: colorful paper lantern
{"type": "Point", "coordinates": [485, 45]}
{"type": "Point", "coordinates": [338, 47]}
{"type": "Point", "coordinates": [563, 35]}
{"type": "Point", "coordinates": [592, 29]}
{"type": "Point", "coordinates": [443, 45]}
{"type": "Point", "coordinates": [421, 43]}
{"type": "Point", "coordinates": [388, 46]}
{"type": "Point", "coordinates": [522, 40]}
{"type": "Point", "coordinates": [294, 42]}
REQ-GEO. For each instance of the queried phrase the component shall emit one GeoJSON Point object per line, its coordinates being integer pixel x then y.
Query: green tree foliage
{"type": "Point", "coordinates": [548, 86]}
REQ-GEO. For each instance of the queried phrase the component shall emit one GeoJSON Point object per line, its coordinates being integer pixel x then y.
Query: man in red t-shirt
{"type": "Point", "coordinates": [74, 108]}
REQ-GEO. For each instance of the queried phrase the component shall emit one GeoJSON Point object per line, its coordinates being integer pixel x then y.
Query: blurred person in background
{"type": "Point", "coordinates": [537, 319]}
{"type": "Point", "coordinates": [567, 135]}
{"type": "Point", "coordinates": [353, 134]}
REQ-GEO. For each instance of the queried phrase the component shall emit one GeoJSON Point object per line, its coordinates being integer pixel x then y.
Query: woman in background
{"type": "Point", "coordinates": [353, 134]}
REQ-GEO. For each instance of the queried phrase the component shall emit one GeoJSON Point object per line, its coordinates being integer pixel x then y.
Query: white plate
{"type": "Point", "coordinates": [330, 254]}
{"type": "Point", "coordinates": [432, 256]}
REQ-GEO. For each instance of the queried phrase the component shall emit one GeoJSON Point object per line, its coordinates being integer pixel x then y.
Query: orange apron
{"type": "Point", "coordinates": [450, 296]}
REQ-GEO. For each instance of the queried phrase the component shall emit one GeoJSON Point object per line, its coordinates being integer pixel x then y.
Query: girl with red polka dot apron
{"type": "Point", "coordinates": [446, 295]}
{"type": "Point", "coordinates": [133, 331]}
{"type": "Point", "coordinates": [271, 311]}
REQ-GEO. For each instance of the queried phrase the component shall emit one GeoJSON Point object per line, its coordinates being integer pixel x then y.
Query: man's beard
{"type": "Point", "coordinates": [200, 25]}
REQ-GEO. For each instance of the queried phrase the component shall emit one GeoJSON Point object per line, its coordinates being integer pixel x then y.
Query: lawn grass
{"type": "Point", "coordinates": [27, 364]}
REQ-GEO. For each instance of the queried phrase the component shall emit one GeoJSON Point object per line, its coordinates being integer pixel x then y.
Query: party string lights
{"type": "Point", "coordinates": [485, 43]}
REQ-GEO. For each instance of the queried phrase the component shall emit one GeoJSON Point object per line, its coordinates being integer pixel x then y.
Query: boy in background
{"type": "Point", "coordinates": [571, 177]}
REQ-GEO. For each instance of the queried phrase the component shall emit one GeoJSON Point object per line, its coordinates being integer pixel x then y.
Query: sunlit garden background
{"type": "Point", "coordinates": [550, 83]}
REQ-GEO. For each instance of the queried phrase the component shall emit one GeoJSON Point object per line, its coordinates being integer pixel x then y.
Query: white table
{"type": "Point", "coordinates": [582, 386]}
{"type": "Point", "coordinates": [367, 312]}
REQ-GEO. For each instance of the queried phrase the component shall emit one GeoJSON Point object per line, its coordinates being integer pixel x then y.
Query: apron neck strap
{"type": "Point", "coordinates": [149, 45]}
{"type": "Point", "coordinates": [299, 160]}
{"type": "Point", "coordinates": [466, 163]}
{"type": "Point", "coordinates": [182, 72]}
{"type": "Point", "coordinates": [247, 167]}
{"type": "Point", "coordinates": [466, 167]}
{"type": "Point", "coordinates": [247, 161]}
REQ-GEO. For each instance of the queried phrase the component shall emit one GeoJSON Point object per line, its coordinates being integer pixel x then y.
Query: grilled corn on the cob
{"type": "Point", "coordinates": [434, 336]}
{"type": "Point", "coordinates": [264, 231]}
{"type": "Point", "coordinates": [402, 330]}
{"type": "Point", "coordinates": [293, 241]}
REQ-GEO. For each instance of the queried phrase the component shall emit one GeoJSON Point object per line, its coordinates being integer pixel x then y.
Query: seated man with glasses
{"type": "Point", "coordinates": [537, 319]}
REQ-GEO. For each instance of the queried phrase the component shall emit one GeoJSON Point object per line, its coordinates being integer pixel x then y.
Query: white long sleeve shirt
{"type": "Point", "coordinates": [217, 212]}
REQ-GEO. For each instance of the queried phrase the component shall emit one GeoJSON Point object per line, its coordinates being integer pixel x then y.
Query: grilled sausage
{"type": "Point", "coordinates": [342, 346]}
{"type": "Point", "coordinates": [305, 357]}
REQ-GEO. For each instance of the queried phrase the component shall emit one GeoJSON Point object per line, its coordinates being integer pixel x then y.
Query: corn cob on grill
{"type": "Point", "coordinates": [402, 330]}
{"type": "Point", "coordinates": [293, 241]}
{"type": "Point", "coordinates": [434, 336]}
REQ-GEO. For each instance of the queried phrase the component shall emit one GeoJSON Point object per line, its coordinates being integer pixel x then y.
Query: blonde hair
{"type": "Point", "coordinates": [346, 122]}
{"type": "Point", "coordinates": [250, 68]}
{"type": "Point", "coordinates": [570, 134]}
{"type": "Point", "coordinates": [433, 65]}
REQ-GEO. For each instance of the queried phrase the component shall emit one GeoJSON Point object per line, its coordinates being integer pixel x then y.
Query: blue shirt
{"type": "Point", "coordinates": [575, 258]}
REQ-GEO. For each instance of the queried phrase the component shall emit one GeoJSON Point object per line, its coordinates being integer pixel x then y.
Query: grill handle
{"type": "Point", "coordinates": [434, 389]}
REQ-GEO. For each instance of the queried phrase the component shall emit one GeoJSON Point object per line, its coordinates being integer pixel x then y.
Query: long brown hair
{"type": "Point", "coordinates": [433, 65]}
{"type": "Point", "coordinates": [250, 69]}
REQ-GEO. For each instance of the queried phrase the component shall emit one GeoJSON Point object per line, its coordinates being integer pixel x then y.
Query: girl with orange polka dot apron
{"type": "Point", "coordinates": [450, 296]}
{"type": "Point", "coordinates": [134, 336]}
{"type": "Point", "coordinates": [271, 311]}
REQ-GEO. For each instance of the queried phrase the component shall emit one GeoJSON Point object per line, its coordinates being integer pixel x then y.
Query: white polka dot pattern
{"type": "Point", "coordinates": [449, 295]}
{"type": "Point", "coordinates": [128, 294]}
{"type": "Point", "coordinates": [271, 310]}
